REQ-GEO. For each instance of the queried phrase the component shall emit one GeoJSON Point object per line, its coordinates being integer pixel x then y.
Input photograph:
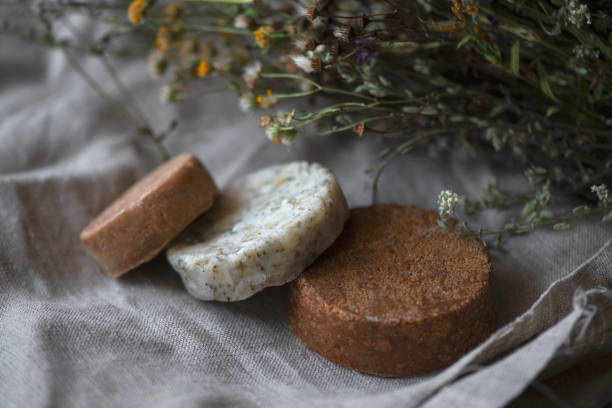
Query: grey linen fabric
{"type": "Point", "coordinates": [71, 337]}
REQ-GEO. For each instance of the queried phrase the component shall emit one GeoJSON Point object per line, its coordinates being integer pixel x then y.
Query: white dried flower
{"type": "Point", "coordinates": [247, 102]}
{"type": "Point", "coordinates": [582, 51]}
{"type": "Point", "coordinates": [303, 62]}
{"type": "Point", "coordinates": [157, 64]}
{"type": "Point", "coordinates": [242, 21]}
{"type": "Point", "coordinates": [252, 73]}
{"type": "Point", "coordinates": [602, 193]}
{"type": "Point", "coordinates": [173, 91]}
{"type": "Point", "coordinates": [280, 130]}
{"type": "Point", "coordinates": [447, 201]}
{"type": "Point", "coordinates": [577, 13]}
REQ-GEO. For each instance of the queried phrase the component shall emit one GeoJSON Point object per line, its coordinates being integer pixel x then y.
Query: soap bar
{"type": "Point", "coordinates": [140, 223]}
{"type": "Point", "coordinates": [264, 229]}
{"type": "Point", "coordinates": [395, 294]}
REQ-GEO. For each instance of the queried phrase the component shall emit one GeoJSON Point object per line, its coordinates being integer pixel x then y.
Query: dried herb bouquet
{"type": "Point", "coordinates": [529, 78]}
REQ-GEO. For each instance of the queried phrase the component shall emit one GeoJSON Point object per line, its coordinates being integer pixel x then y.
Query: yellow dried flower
{"type": "Point", "coordinates": [162, 41]}
{"type": "Point", "coordinates": [136, 10]}
{"type": "Point", "coordinates": [265, 121]}
{"type": "Point", "coordinates": [262, 34]}
{"type": "Point", "coordinates": [173, 11]}
{"type": "Point", "coordinates": [203, 68]}
{"type": "Point", "coordinates": [266, 102]}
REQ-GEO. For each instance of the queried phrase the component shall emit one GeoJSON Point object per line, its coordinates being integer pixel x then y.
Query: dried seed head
{"type": "Point", "coordinates": [333, 50]}
{"type": "Point", "coordinates": [359, 128]}
{"type": "Point", "coordinates": [317, 65]}
{"type": "Point", "coordinates": [322, 4]}
{"type": "Point", "coordinates": [312, 13]}
{"type": "Point", "coordinates": [344, 33]}
{"type": "Point", "coordinates": [359, 22]}
{"type": "Point", "coordinates": [309, 44]}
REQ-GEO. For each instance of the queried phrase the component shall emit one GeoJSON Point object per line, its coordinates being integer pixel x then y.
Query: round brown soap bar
{"type": "Point", "coordinates": [141, 222]}
{"type": "Point", "coordinates": [395, 294]}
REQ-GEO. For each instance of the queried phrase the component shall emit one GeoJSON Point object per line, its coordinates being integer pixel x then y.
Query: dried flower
{"type": "Point", "coordinates": [162, 40]}
{"type": "Point", "coordinates": [312, 13]}
{"type": "Point", "coordinates": [577, 13]}
{"type": "Point", "coordinates": [343, 33]}
{"type": "Point", "coordinates": [279, 129]}
{"type": "Point", "coordinates": [367, 51]}
{"type": "Point", "coordinates": [303, 62]}
{"type": "Point", "coordinates": [305, 44]}
{"type": "Point", "coordinates": [244, 22]}
{"type": "Point", "coordinates": [267, 101]}
{"type": "Point", "coordinates": [247, 102]}
{"type": "Point", "coordinates": [262, 36]}
{"type": "Point", "coordinates": [251, 73]}
{"type": "Point", "coordinates": [265, 121]}
{"type": "Point", "coordinates": [157, 64]}
{"type": "Point", "coordinates": [203, 68]}
{"type": "Point", "coordinates": [603, 194]}
{"type": "Point", "coordinates": [136, 11]}
{"type": "Point", "coordinates": [447, 201]}
{"type": "Point", "coordinates": [359, 128]}
{"type": "Point", "coordinates": [582, 51]}
{"type": "Point", "coordinates": [173, 91]}
{"type": "Point", "coordinates": [173, 11]}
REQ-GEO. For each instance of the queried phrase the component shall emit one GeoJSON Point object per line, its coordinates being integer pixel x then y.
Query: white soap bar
{"type": "Point", "coordinates": [264, 230]}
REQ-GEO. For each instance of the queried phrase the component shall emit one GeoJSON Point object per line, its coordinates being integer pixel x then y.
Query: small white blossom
{"type": "Point", "coordinates": [602, 193]}
{"type": "Point", "coordinates": [447, 201]}
{"type": "Point", "coordinates": [577, 13]}
{"type": "Point", "coordinates": [583, 51]}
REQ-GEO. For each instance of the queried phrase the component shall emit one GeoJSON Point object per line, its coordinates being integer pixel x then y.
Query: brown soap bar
{"type": "Point", "coordinates": [141, 222]}
{"type": "Point", "coordinates": [395, 294]}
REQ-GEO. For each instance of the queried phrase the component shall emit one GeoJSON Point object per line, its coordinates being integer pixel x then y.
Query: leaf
{"type": "Point", "coordinates": [544, 84]}
{"type": "Point", "coordinates": [561, 226]}
{"type": "Point", "coordinates": [546, 213]}
{"type": "Point", "coordinates": [607, 217]}
{"type": "Point", "coordinates": [582, 211]}
{"type": "Point", "coordinates": [551, 111]}
{"type": "Point", "coordinates": [515, 58]}
{"type": "Point", "coordinates": [464, 41]}
{"type": "Point", "coordinates": [384, 81]}
{"type": "Point", "coordinates": [529, 207]}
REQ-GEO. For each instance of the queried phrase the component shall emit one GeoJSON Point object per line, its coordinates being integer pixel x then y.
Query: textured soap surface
{"type": "Point", "coordinates": [264, 230]}
{"type": "Point", "coordinates": [140, 223]}
{"type": "Point", "coordinates": [396, 294]}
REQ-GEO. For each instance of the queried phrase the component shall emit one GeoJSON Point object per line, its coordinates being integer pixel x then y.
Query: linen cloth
{"type": "Point", "coordinates": [71, 337]}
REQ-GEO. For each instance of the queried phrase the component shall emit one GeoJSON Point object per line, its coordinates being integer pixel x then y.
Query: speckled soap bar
{"type": "Point", "coordinates": [264, 229]}
{"type": "Point", "coordinates": [395, 294]}
{"type": "Point", "coordinates": [141, 222]}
